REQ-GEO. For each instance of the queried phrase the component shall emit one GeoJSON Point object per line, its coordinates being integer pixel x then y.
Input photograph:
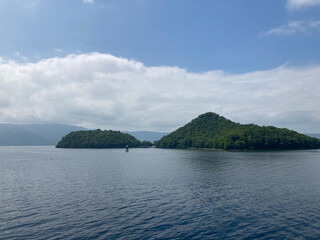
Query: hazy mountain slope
{"type": "Point", "coordinates": [147, 135]}
{"type": "Point", "coordinates": [33, 134]}
{"type": "Point", "coordinates": [20, 137]}
{"type": "Point", "coordinates": [316, 135]}
{"type": "Point", "coordinates": [53, 132]}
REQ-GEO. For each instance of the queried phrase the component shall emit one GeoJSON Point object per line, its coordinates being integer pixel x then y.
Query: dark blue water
{"type": "Point", "coordinates": [48, 193]}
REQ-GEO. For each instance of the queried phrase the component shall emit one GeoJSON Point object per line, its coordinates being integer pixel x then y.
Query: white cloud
{"type": "Point", "coordinates": [88, 1]}
{"type": "Point", "coordinates": [20, 56]}
{"type": "Point", "coordinates": [294, 27]}
{"type": "Point", "coordinates": [102, 91]}
{"type": "Point", "coordinates": [59, 50]}
{"type": "Point", "coordinates": [297, 4]}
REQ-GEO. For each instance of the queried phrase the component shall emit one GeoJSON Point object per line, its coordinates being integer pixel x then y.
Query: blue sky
{"type": "Point", "coordinates": [196, 35]}
{"type": "Point", "coordinates": [251, 61]}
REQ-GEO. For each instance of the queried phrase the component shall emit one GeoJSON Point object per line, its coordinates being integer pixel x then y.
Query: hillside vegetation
{"type": "Point", "coordinates": [210, 130]}
{"type": "Point", "coordinates": [100, 139]}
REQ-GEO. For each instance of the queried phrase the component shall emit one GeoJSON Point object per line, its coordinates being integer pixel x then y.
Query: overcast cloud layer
{"type": "Point", "coordinates": [102, 91]}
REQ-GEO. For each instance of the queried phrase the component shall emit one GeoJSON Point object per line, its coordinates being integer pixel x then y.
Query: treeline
{"type": "Point", "coordinates": [100, 139]}
{"type": "Point", "coordinates": [210, 130]}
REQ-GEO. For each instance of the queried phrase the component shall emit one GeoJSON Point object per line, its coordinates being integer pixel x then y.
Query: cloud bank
{"type": "Point", "coordinates": [295, 27]}
{"type": "Point", "coordinates": [297, 4]}
{"type": "Point", "coordinates": [103, 91]}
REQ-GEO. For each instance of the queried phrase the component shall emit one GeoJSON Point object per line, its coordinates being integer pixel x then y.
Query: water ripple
{"type": "Point", "coordinates": [49, 193]}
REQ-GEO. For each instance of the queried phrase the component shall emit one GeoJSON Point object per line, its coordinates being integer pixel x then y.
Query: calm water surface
{"type": "Point", "coordinates": [48, 193]}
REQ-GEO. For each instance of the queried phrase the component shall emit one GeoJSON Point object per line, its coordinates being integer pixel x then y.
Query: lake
{"type": "Point", "coordinates": [49, 193]}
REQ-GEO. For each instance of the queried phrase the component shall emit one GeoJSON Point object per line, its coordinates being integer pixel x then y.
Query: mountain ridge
{"type": "Point", "coordinates": [33, 134]}
{"type": "Point", "coordinates": [147, 135]}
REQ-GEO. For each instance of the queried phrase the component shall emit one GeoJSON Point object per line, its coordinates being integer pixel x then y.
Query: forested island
{"type": "Point", "coordinates": [100, 139]}
{"type": "Point", "coordinates": [207, 131]}
{"type": "Point", "coordinates": [210, 130]}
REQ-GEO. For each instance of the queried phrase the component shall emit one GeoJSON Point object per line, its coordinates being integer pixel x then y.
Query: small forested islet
{"type": "Point", "coordinates": [100, 139]}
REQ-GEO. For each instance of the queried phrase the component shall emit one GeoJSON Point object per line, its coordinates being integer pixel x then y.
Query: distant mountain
{"type": "Point", "coordinates": [33, 134]}
{"type": "Point", "coordinates": [147, 135]}
{"type": "Point", "coordinates": [100, 139]}
{"type": "Point", "coordinates": [316, 135]}
{"type": "Point", "coordinates": [210, 130]}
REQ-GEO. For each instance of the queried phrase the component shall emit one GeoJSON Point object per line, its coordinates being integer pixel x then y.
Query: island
{"type": "Point", "coordinates": [100, 139]}
{"type": "Point", "coordinates": [211, 130]}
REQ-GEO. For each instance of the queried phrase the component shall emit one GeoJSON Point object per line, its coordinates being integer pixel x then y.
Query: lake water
{"type": "Point", "coordinates": [48, 193]}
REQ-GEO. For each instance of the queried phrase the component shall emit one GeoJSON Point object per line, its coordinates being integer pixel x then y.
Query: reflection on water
{"type": "Point", "coordinates": [49, 193]}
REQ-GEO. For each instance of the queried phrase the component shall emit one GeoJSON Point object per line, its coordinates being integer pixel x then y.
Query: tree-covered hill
{"type": "Point", "coordinates": [210, 130]}
{"type": "Point", "coordinates": [100, 139]}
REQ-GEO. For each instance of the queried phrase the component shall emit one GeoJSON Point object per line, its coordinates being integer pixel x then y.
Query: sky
{"type": "Point", "coordinates": [156, 64]}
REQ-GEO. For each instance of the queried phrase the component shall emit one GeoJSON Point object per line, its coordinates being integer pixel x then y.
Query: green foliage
{"type": "Point", "coordinates": [100, 139]}
{"type": "Point", "coordinates": [210, 130]}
